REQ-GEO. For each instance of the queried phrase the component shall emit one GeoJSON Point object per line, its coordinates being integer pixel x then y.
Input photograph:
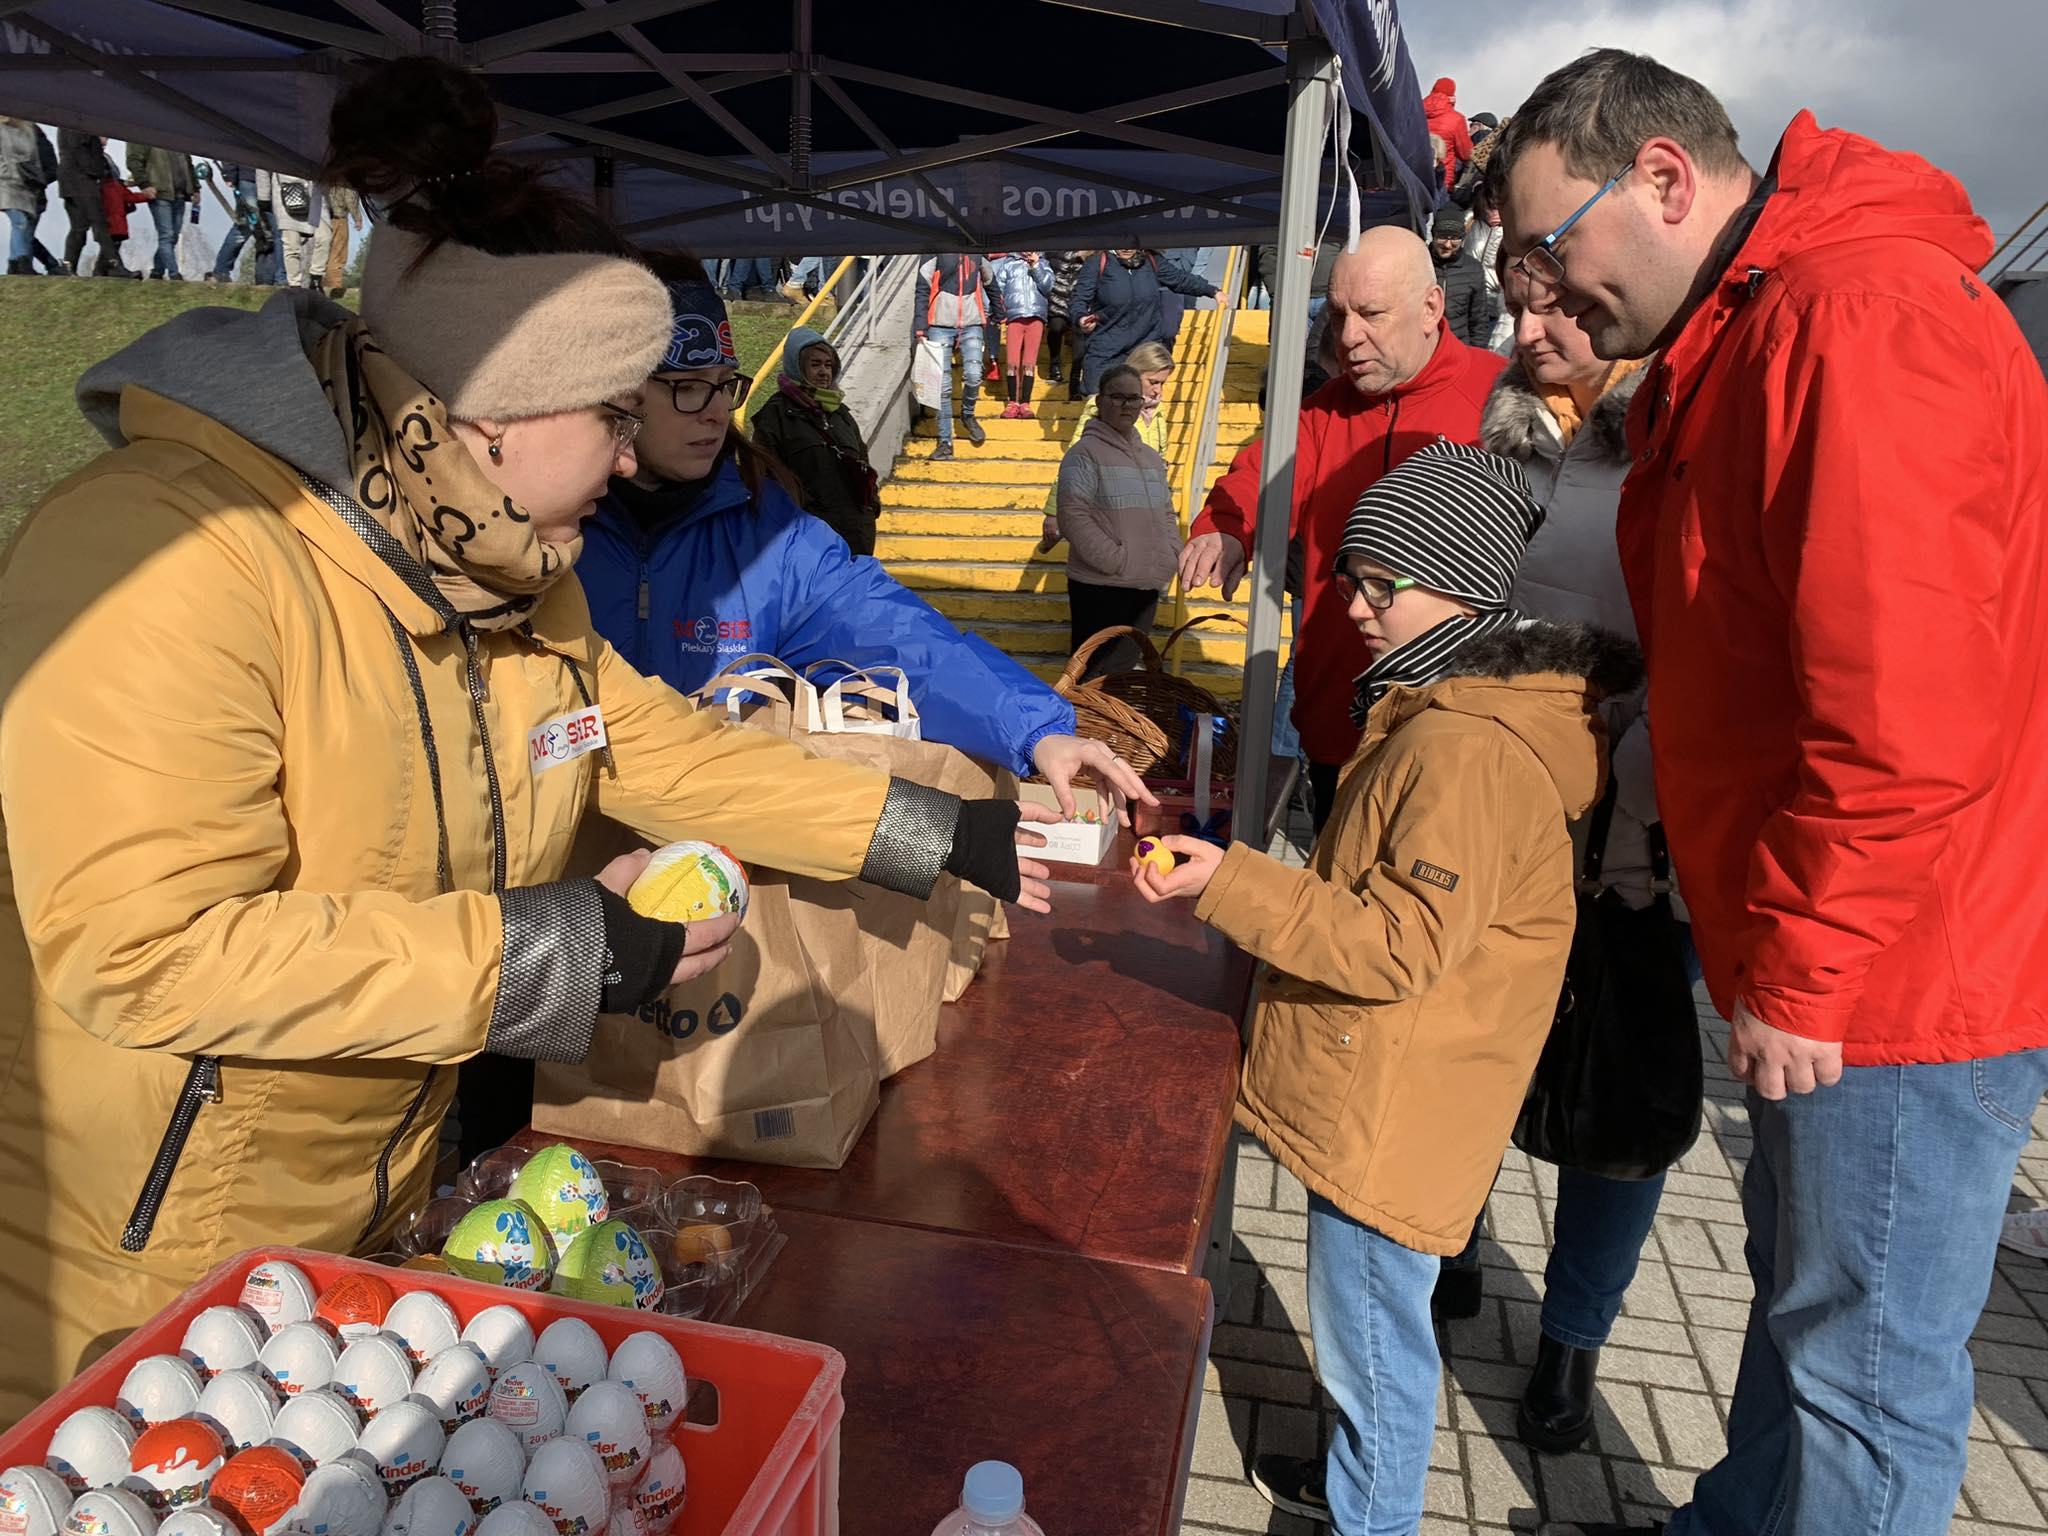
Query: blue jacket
{"type": "Point", "coordinates": [733, 574]}
{"type": "Point", "coordinates": [1023, 287]}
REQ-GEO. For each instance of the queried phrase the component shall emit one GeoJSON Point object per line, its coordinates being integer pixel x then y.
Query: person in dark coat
{"type": "Point", "coordinates": [1066, 271]}
{"type": "Point", "coordinates": [81, 165]}
{"type": "Point", "coordinates": [47, 168]}
{"type": "Point", "coordinates": [1468, 306]}
{"type": "Point", "coordinates": [807, 427]}
{"type": "Point", "coordinates": [1116, 304]}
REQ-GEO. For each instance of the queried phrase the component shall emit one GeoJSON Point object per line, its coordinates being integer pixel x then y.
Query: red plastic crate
{"type": "Point", "coordinates": [768, 1467]}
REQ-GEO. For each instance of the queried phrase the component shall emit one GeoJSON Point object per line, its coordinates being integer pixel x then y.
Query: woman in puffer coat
{"type": "Point", "coordinates": [1060, 335]}
{"type": "Point", "coordinates": [300, 720]}
{"type": "Point", "coordinates": [1025, 283]}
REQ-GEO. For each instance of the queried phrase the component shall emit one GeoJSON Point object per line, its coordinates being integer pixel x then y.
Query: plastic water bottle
{"type": "Point", "coordinates": [991, 1504]}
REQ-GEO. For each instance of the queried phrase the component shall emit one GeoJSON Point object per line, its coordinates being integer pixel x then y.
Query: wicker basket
{"type": "Point", "coordinates": [1138, 713]}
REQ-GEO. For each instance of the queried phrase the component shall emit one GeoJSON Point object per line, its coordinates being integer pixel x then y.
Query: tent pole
{"type": "Point", "coordinates": [801, 65]}
{"type": "Point", "coordinates": [1311, 67]}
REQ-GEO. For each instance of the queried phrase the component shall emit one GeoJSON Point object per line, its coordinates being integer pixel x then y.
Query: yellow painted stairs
{"type": "Point", "coordinates": [965, 534]}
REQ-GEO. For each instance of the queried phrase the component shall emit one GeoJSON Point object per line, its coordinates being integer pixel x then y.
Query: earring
{"type": "Point", "coordinates": [497, 449]}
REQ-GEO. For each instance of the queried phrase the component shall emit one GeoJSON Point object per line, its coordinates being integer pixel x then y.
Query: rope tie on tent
{"type": "Point", "coordinates": [1340, 148]}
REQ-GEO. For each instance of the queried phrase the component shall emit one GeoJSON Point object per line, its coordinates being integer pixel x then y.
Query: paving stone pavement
{"type": "Point", "coordinates": [1666, 1375]}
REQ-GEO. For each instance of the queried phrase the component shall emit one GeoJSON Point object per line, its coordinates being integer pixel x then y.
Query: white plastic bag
{"type": "Point", "coordinates": [861, 702]}
{"type": "Point", "coordinates": [928, 372]}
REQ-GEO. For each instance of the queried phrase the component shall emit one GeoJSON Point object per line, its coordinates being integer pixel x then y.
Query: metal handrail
{"type": "Point", "coordinates": [2026, 224]}
{"type": "Point", "coordinates": [1212, 409]}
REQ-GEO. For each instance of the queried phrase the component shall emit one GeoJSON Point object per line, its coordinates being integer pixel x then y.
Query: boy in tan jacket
{"type": "Point", "coordinates": [1414, 966]}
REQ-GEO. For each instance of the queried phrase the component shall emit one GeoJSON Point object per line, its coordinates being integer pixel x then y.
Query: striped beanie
{"type": "Point", "coordinates": [1454, 518]}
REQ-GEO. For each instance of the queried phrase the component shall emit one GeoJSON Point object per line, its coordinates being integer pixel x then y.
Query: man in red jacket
{"type": "Point", "coordinates": [1406, 381]}
{"type": "Point", "coordinates": [1440, 112]}
{"type": "Point", "coordinates": [1835, 541]}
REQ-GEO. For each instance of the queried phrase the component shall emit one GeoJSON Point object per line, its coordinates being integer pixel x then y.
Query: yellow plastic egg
{"type": "Point", "coordinates": [1155, 856]}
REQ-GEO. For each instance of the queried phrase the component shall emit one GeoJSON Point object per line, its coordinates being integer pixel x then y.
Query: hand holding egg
{"type": "Point", "coordinates": [1160, 878]}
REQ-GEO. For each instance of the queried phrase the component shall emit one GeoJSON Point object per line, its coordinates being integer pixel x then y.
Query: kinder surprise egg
{"type": "Point", "coordinates": [372, 1374]}
{"type": "Point", "coordinates": [433, 1506]}
{"type": "Point", "coordinates": [662, 1488]}
{"type": "Point", "coordinates": [109, 1512]}
{"type": "Point", "coordinates": [609, 1419]}
{"type": "Point", "coordinates": [197, 1520]}
{"type": "Point", "coordinates": [174, 1463]}
{"type": "Point", "coordinates": [157, 1390]}
{"type": "Point", "coordinates": [355, 1305]}
{"type": "Point", "coordinates": [343, 1498]}
{"type": "Point", "coordinates": [516, 1518]}
{"type": "Point", "coordinates": [299, 1358]}
{"type": "Point", "coordinates": [690, 883]}
{"type": "Point", "coordinates": [610, 1263]}
{"type": "Point", "coordinates": [527, 1400]}
{"type": "Point", "coordinates": [649, 1364]}
{"type": "Point", "coordinates": [567, 1481]}
{"type": "Point", "coordinates": [406, 1441]}
{"type": "Point", "coordinates": [239, 1406]}
{"type": "Point", "coordinates": [424, 1324]}
{"type": "Point", "coordinates": [91, 1449]}
{"type": "Point", "coordinates": [316, 1428]}
{"type": "Point", "coordinates": [223, 1339]}
{"type": "Point", "coordinates": [571, 1349]}
{"type": "Point", "coordinates": [258, 1488]}
{"type": "Point", "coordinates": [561, 1187]}
{"type": "Point", "coordinates": [278, 1292]}
{"type": "Point", "coordinates": [502, 1336]}
{"type": "Point", "coordinates": [1155, 856]}
{"type": "Point", "coordinates": [456, 1384]}
{"type": "Point", "coordinates": [502, 1242]}
{"type": "Point", "coordinates": [487, 1462]}
{"type": "Point", "coordinates": [33, 1501]}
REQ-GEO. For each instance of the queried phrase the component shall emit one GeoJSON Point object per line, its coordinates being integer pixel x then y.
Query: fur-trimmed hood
{"type": "Point", "coordinates": [1612, 663]}
{"type": "Point", "coordinates": [1517, 422]}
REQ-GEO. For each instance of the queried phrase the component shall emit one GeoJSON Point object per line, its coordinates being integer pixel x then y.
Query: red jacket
{"type": "Point", "coordinates": [115, 201]}
{"type": "Point", "coordinates": [1348, 441]}
{"type": "Point", "coordinates": [1835, 540]}
{"type": "Point", "coordinates": [1440, 110]}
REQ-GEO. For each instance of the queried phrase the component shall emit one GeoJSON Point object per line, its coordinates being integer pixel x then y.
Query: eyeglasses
{"type": "Point", "coordinates": [1540, 266]}
{"type": "Point", "coordinates": [691, 396]}
{"type": "Point", "coordinates": [1379, 590]}
{"type": "Point", "coordinates": [625, 424]}
{"type": "Point", "coordinates": [1122, 399]}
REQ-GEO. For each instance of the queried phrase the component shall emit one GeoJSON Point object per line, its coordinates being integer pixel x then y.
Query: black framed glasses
{"type": "Point", "coordinates": [1379, 590]}
{"type": "Point", "coordinates": [625, 424]}
{"type": "Point", "coordinates": [1541, 266]}
{"type": "Point", "coordinates": [690, 397]}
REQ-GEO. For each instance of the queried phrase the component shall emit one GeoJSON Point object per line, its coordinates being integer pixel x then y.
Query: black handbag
{"type": "Point", "coordinates": [1618, 1089]}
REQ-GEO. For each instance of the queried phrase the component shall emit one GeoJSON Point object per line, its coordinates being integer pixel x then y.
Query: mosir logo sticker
{"type": "Point", "coordinates": [565, 738]}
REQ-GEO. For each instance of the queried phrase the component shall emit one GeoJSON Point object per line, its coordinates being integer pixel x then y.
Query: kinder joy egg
{"type": "Point", "coordinates": [406, 1441]}
{"type": "Point", "coordinates": [258, 1488]}
{"type": "Point", "coordinates": [239, 1406]}
{"type": "Point", "coordinates": [649, 1364]}
{"type": "Point", "coordinates": [571, 1349]}
{"type": "Point", "coordinates": [487, 1462]}
{"type": "Point", "coordinates": [316, 1428]}
{"type": "Point", "coordinates": [278, 1293]}
{"type": "Point", "coordinates": [109, 1512]}
{"type": "Point", "coordinates": [223, 1339]}
{"type": "Point", "coordinates": [609, 1419]}
{"type": "Point", "coordinates": [372, 1374]}
{"type": "Point", "coordinates": [424, 1324]}
{"type": "Point", "coordinates": [456, 1384]}
{"type": "Point", "coordinates": [343, 1498]}
{"type": "Point", "coordinates": [433, 1506]}
{"type": "Point", "coordinates": [626, 1520]}
{"type": "Point", "coordinates": [33, 1501]}
{"type": "Point", "coordinates": [610, 1263]}
{"type": "Point", "coordinates": [502, 1242]}
{"type": "Point", "coordinates": [502, 1336]}
{"type": "Point", "coordinates": [355, 1305]}
{"type": "Point", "coordinates": [563, 1189]}
{"type": "Point", "coordinates": [1155, 856]}
{"type": "Point", "coordinates": [690, 883]}
{"type": "Point", "coordinates": [662, 1488]}
{"type": "Point", "coordinates": [515, 1518]}
{"type": "Point", "coordinates": [157, 1390]}
{"type": "Point", "coordinates": [91, 1449]}
{"type": "Point", "coordinates": [527, 1400]}
{"type": "Point", "coordinates": [173, 1465]}
{"type": "Point", "coordinates": [566, 1480]}
{"type": "Point", "coordinates": [299, 1358]}
{"type": "Point", "coordinates": [197, 1520]}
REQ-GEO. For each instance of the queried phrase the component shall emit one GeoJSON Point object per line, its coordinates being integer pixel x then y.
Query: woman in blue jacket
{"type": "Point", "coordinates": [704, 557]}
{"type": "Point", "coordinates": [1117, 303]}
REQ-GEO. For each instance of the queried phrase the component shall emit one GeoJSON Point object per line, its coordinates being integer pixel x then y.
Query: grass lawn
{"type": "Point", "coordinates": [52, 329]}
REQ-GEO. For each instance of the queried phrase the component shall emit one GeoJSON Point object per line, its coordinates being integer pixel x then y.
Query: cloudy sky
{"type": "Point", "coordinates": [1963, 82]}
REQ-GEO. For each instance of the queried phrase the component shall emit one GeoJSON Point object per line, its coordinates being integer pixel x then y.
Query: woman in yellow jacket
{"type": "Point", "coordinates": [299, 721]}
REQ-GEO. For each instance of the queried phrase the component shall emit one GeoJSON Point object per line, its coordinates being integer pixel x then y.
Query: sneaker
{"type": "Point", "coordinates": [1293, 1484]}
{"type": "Point", "coordinates": [977, 434]}
{"type": "Point", "coordinates": [943, 451]}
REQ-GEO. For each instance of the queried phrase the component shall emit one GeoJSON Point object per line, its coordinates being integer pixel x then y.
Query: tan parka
{"type": "Point", "coordinates": [1415, 964]}
{"type": "Point", "coordinates": [260, 800]}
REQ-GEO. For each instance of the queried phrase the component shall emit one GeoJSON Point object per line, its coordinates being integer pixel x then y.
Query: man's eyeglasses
{"type": "Point", "coordinates": [691, 396]}
{"type": "Point", "coordinates": [1540, 266]}
{"type": "Point", "coordinates": [1122, 399]}
{"type": "Point", "coordinates": [625, 424]}
{"type": "Point", "coordinates": [1379, 590]}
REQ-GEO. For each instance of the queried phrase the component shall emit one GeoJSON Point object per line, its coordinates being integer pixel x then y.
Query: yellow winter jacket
{"type": "Point", "coordinates": [230, 741]}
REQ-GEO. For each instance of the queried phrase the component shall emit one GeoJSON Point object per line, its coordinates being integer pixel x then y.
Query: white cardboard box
{"type": "Point", "coordinates": [1081, 841]}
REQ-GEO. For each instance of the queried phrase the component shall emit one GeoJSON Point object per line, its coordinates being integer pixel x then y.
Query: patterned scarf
{"type": "Point", "coordinates": [413, 476]}
{"type": "Point", "coordinates": [1426, 658]}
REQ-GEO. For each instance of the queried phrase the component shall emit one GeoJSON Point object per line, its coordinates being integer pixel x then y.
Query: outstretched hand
{"type": "Point", "coordinates": [1060, 759]}
{"type": "Point", "coordinates": [1188, 880]}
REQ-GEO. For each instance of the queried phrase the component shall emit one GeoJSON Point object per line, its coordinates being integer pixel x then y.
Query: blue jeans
{"type": "Point", "coordinates": [751, 272]}
{"type": "Point", "coordinates": [1286, 739]}
{"type": "Point", "coordinates": [21, 234]}
{"type": "Point", "coordinates": [1874, 1210]}
{"type": "Point", "coordinates": [1376, 1355]}
{"type": "Point", "coordinates": [169, 218]}
{"type": "Point", "coordinates": [968, 339]}
{"type": "Point", "coordinates": [244, 201]}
